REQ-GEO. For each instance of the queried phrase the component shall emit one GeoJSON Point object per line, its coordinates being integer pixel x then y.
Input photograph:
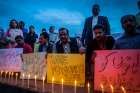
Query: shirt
{"type": "Point", "coordinates": [94, 22]}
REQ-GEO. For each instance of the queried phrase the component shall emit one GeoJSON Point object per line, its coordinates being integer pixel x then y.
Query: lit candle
{"type": "Point", "coordinates": [1, 74]}
{"type": "Point", "coordinates": [123, 89]}
{"type": "Point", "coordinates": [35, 82]}
{"type": "Point", "coordinates": [28, 80]}
{"type": "Point", "coordinates": [52, 84]}
{"type": "Point", "coordinates": [43, 83]}
{"type": "Point", "coordinates": [88, 85]}
{"type": "Point", "coordinates": [112, 88]}
{"type": "Point", "coordinates": [16, 77]}
{"type": "Point", "coordinates": [12, 73]}
{"type": "Point", "coordinates": [62, 85]}
{"type": "Point", "coordinates": [75, 85]}
{"type": "Point", "coordinates": [102, 87]}
{"type": "Point", "coordinates": [9, 76]}
{"type": "Point", "coordinates": [6, 74]}
{"type": "Point", "coordinates": [23, 79]}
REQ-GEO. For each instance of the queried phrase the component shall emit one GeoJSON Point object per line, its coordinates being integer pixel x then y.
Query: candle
{"type": "Point", "coordinates": [112, 88]}
{"type": "Point", "coordinates": [23, 79]}
{"type": "Point", "coordinates": [75, 84]}
{"type": "Point", "coordinates": [102, 87]}
{"type": "Point", "coordinates": [88, 85]}
{"type": "Point", "coordinates": [35, 82]}
{"type": "Point", "coordinates": [52, 84]}
{"type": "Point", "coordinates": [6, 74]}
{"type": "Point", "coordinates": [43, 83]}
{"type": "Point", "coordinates": [62, 85]}
{"type": "Point", "coordinates": [1, 74]}
{"type": "Point", "coordinates": [28, 80]}
{"type": "Point", "coordinates": [12, 73]}
{"type": "Point", "coordinates": [123, 89]}
{"type": "Point", "coordinates": [16, 77]}
{"type": "Point", "coordinates": [9, 76]}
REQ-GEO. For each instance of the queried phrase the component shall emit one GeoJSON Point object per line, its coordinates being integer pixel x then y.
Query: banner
{"type": "Point", "coordinates": [34, 64]}
{"type": "Point", "coordinates": [10, 59]}
{"type": "Point", "coordinates": [117, 71]}
{"type": "Point", "coordinates": [69, 67]}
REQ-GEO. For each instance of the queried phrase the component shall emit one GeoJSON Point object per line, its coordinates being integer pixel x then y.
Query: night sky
{"type": "Point", "coordinates": [63, 13]}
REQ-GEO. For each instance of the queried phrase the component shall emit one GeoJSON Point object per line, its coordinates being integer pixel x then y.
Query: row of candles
{"type": "Point", "coordinates": [12, 75]}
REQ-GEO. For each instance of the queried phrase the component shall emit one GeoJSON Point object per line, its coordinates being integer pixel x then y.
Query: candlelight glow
{"type": "Point", "coordinates": [75, 82]}
{"type": "Point", "coordinates": [52, 79]}
{"type": "Point", "coordinates": [88, 85]}
{"type": "Point", "coordinates": [112, 88]}
{"type": "Point", "coordinates": [123, 89]}
{"type": "Point", "coordinates": [62, 80]}
{"type": "Point", "coordinates": [102, 87]}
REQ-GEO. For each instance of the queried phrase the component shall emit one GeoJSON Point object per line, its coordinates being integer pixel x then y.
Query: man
{"type": "Point", "coordinates": [138, 16]}
{"type": "Point", "coordinates": [131, 37]}
{"type": "Point", "coordinates": [21, 44]}
{"type": "Point", "coordinates": [53, 36]}
{"type": "Point", "coordinates": [44, 45]}
{"type": "Point", "coordinates": [66, 44]}
{"type": "Point", "coordinates": [91, 22]}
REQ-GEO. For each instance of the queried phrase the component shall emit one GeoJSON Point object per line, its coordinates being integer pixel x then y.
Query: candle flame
{"type": "Point", "coordinates": [43, 78]}
{"type": "Point", "coordinates": [112, 88]}
{"type": "Point", "coordinates": [23, 74]}
{"type": "Point", "coordinates": [52, 79]}
{"type": "Point", "coordinates": [75, 82]}
{"type": "Point", "coordinates": [123, 89]}
{"type": "Point", "coordinates": [102, 86]}
{"type": "Point", "coordinates": [35, 76]}
{"type": "Point", "coordinates": [62, 80]}
{"type": "Point", "coordinates": [29, 76]}
{"type": "Point", "coordinates": [88, 84]}
{"type": "Point", "coordinates": [16, 74]}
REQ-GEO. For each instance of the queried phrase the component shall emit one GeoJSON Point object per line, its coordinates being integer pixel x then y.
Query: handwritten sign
{"type": "Point", "coordinates": [69, 67]}
{"type": "Point", "coordinates": [117, 68]}
{"type": "Point", "coordinates": [34, 64]}
{"type": "Point", "coordinates": [10, 59]}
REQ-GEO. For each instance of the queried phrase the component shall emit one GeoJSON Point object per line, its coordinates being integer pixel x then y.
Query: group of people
{"type": "Point", "coordinates": [95, 36]}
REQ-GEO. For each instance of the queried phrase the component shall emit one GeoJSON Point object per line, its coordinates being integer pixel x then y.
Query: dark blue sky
{"type": "Point", "coordinates": [63, 13]}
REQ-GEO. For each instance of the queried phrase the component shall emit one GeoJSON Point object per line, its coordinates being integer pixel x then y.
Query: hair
{"type": "Point", "coordinates": [45, 35]}
{"type": "Point", "coordinates": [61, 29]}
{"type": "Point", "coordinates": [18, 37]}
{"type": "Point", "coordinates": [138, 3]}
{"type": "Point", "coordinates": [95, 5]}
{"type": "Point", "coordinates": [51, 27]}
{"type": "Point", "coordinates": [123, 18]}
{"type": "Point", "coordinates": [22, 23]}
{"type": "Point", "coordinates": [10, 24]}
{"type": "Point", "coordinates": [31, 26]}
{"type": "Point", "coordinates": [98, 26]}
